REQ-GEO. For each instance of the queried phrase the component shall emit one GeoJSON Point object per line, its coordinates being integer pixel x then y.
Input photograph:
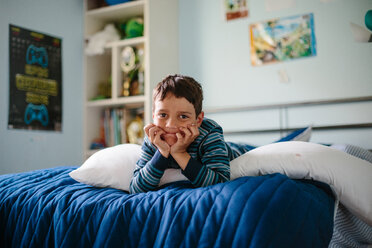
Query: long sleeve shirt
{"type": "Point", "coordinates": [209, 163]}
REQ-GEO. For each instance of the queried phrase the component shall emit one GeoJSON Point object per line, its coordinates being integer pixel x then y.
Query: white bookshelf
{"type": "Point", "coordinates": [160, 44]}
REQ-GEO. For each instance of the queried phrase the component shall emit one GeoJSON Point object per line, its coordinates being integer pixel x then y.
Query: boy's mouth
{"type": "Point", "coordinates": [170, 131]}
{"type": "Point", "coordinates": [168, 135]}
{"type": "Point", "coordinates": [170, 138]}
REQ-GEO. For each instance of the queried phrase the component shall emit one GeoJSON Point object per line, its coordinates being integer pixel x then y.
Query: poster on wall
{"type": "Point", "coordinates": [235, 9]}
{"type": "Point", "coordinates": [35, 80]}
{"type": "Point", "coordinates": [282, 39]}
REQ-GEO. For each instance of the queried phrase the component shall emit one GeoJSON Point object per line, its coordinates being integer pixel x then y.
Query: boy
{"type": "Point", "coordinates": [182, 138]}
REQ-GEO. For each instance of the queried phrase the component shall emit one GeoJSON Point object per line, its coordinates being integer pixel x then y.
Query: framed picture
{"type": "Point", "coordinates": [235, 9]}
{"type": "Point", "coordinates": [282, 39]}
{"type": "Point", "coordinates": [35, 80]}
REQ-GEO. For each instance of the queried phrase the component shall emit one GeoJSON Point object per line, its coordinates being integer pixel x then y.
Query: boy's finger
{"type": "Point", "coordinates": [180, 138]}
{"type": "Point", "coordinates": [153, 131]}
{"type": "Point", "coordinates": [147, 128]}
{"type": "Point", "coordinates": [158, 141]}
{"type": "Point", "coordinates": [186, 131]}
{"type": "Point", "coordinates": [194, 130]}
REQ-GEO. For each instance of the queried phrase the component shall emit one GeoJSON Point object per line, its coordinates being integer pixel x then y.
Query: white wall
{"type": "Point", "coordinates": [22, 150]}
{"type": "Point", "coordinates": [217, 53]}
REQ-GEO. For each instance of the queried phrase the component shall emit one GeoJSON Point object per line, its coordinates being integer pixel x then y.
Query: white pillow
{"type": "Point", "coordinates": [113, 167]}
{"type": "Point", "coordinates": [349, 176]}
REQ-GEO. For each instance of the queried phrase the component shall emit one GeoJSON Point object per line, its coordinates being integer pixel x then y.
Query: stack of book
{"type": "Point", "coordinates": [114, 124]}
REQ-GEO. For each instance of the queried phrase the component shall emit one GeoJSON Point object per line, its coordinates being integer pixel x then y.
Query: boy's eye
{"type": "Point", "coordinates": [162, 115]}
{"type": "Point", "coordinates": [184, 117]}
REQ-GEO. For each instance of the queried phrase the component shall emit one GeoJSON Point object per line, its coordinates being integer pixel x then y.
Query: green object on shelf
{"type": "Point", "coordinates": [98, 98]}
{"type": "Point", "coordinates": [134, 28]}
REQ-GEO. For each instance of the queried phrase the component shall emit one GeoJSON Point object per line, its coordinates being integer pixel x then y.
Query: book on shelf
{"type": "Point", "coordinates": [115, 123]}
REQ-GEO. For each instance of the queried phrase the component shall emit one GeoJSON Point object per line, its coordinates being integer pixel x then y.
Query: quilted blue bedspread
{"type": "Point", "coordinates": [47, 208]}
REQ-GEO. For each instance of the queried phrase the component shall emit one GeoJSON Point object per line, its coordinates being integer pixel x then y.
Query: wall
{"type": "Point", "coordinates": [214, 52]}
{"type": "Point", "coordinates": [217, 53]}
{"type": "Point", "coordinates": [22, 150]}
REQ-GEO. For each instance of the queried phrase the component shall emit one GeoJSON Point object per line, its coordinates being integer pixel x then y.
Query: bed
{"type": "Point", "coordinates": [48, 208]}
{"type": "Point", "coordinates": [291, 193]}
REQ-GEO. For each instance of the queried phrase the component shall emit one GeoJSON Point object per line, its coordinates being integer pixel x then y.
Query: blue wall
{"type": "Point", "coordinates": [213, 51]}
{"type": "Point", "coordinates": [217, 53]}
{"type": "Point", "coordinates": [22, 150]}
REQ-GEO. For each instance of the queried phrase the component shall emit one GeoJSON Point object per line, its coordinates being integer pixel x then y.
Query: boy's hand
{"type": "Point", "coordinates": [154, 133]}
{"type": "Point", "coordinates": [184, 138]}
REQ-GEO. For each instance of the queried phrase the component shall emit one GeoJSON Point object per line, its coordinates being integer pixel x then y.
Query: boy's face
{"type": "Point", "coordinates": [173, 113]}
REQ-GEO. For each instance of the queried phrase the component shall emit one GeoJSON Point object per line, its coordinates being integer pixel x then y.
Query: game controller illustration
{"type": "Point", "coordinates": [37, 55]}
{"type": "Point", "coordinates": [36, 113]}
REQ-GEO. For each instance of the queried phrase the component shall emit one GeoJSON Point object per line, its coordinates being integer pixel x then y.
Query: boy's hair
{"type": "Point", "coordinates": [180, 86]}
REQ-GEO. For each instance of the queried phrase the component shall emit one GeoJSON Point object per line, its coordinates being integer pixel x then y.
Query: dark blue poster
{"type": "Point", "coordinates": [35, 80]}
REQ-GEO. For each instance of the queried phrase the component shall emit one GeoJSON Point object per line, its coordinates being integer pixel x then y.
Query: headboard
{"type": "Point", "coordinates": [338, 117]}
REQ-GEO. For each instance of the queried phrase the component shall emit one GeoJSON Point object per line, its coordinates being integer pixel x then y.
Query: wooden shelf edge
{"type": "Point", "coordinates": [130, 100]}
{"type": "Point", "coordinates": [126, 42]}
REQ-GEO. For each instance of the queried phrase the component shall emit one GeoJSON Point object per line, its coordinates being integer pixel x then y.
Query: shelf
{"type": "Point", "coordinates": [116, 12]}
{"type": "Point", "coordinates": [161, 17]}
{"type": "Point", "coordinates": [126, 42]}
{"type": "Point", "coordinates": [130, 100]}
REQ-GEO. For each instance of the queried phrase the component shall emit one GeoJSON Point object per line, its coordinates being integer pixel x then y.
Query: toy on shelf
{"type": "Point", "coordinates": [135, 129]}
{"type": "Point", "coordinates": [128, 59]}
{"type": "Point", "coordinates": [97, 42]}
{"type": "Point", "coordinates": [134, 28]}
{"type": "Point", "coordinates": [131, 28]}
{"type": "Point", "coordinates": [131, 62]}
{"type": "Point", "coordinates": [133, 84]}
{"type": "Point", "coordinates": [114, 2]}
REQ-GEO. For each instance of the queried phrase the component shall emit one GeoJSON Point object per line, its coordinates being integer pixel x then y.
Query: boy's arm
{"type": "Point", "coordinates": [149, 169]}
{"type": "Point", "coordinates": [215, 163]}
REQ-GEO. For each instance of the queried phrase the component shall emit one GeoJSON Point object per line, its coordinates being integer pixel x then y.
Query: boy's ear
{"type": "Point", "coordinates": [199, 118]}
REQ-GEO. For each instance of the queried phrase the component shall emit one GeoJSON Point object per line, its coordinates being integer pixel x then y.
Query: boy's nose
{"type": "Point", "coordinates": [171, 123]}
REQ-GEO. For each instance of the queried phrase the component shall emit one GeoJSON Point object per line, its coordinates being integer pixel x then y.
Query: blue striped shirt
{"type": "Point", "coordinates": [209, 163]}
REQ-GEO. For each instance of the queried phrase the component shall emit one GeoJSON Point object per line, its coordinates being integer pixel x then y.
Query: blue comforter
{"type": "Point", "coordinates": [47, 208]}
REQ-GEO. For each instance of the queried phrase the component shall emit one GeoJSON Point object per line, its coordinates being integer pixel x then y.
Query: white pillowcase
{"type": "Point", "coordinates": [113, 167]}
{"type": "Point", "coordinates": [349, 176]}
